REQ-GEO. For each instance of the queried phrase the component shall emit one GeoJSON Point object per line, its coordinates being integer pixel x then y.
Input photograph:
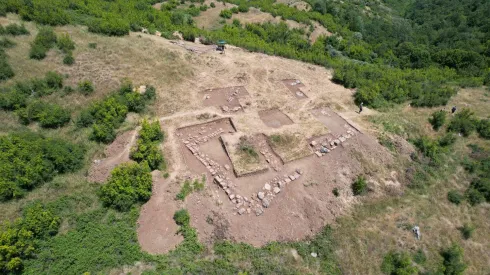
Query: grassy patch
{"type": "Point", "coordinates": [189, 186]}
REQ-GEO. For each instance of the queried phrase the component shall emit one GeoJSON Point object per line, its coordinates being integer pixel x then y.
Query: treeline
{"type": "Point", "coordinates": [105, 116]}
{"type": "Point", "coordinates": [382, 57]}
{"type": "Point", "coordinates": [28, 160]}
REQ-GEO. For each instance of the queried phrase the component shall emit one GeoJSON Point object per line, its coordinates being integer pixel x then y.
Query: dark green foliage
{"type": "Point", "coordinates": [6, 43]}
{"type": "Point", "coordinates": [359, 186]}
{"type": "Point", "coordinates": [453, 261]}
{"type": "Point", "coordinates": [419, 257]}
{"type": "Point", "coordinates": [483, 128]}
{"type": "Point", "coordinates": [336, 192]}
{"type": "Point", "coordinates": [130, 183]}
{"type": "Point", "coordinates": [437, 119]}
{"type": "Point", "coordinates": [447, 140]}
{"type": "Point", "coordinates": [15, 29]}
{"type": "Point", "coordinates": [463, 122]}
{"type": "Point", "coordinates": [44, 41]}
{"type": "Point", "coordinates": [429, 148]}
{"type": "Point", "coordinates": [212, 5]}
{"type": "Point", "coordinates": [68, 59]}
{"type": "Point", "coordinates": [6, 71]}
{"type": "Point", "coordinates": [16, 97]}
{"type": "Point", "coordinates": [182, 217]}
{"type": "Point", "coordinates": [19, 240]}
{"type": "Point", "coordinates": [479, 166]}
{"type": "Point", "coordinates": [54, 80]}
{"type": "Point", "coordinates": [86, 87]}
{"type": "Point", "coordinates": [110, 25]}
{"type": "Point", "coordinates": [28, 160]}
{"type": "Point", "coordinates": [226, 13]}
{"type": "Point", "coordinates": [92, 45]}
{"type": "Point", "coordinates": [395, 263]}
{"type": "Point", "coordinates": [466, 231]}
{"type": "Point", "coordinates": [146, 148]}
{"type": "Point", "coordinates": [48, 115]}
{"type": "Point", "coordinates": [455, 197]}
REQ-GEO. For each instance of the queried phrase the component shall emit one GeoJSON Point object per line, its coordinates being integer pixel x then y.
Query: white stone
{"type": "Point", "coordinates": [276, 190]}
{"type": "Point", "coordinates": [261, 195]}
{"type": "Point", "coordinates": [267, 187]}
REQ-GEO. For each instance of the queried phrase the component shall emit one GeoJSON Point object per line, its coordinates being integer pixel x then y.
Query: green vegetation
{"type": "Point", "coordinates": [48, 115]}
{"type": "Point", "coordinates": [129, 184]}
{"type": "Point", "coordinates": [479, 167]}
{"type": "Point", "coordinates": [86, 87]}
{"type": "Point", "coordinates": [190, 186]}
{"type": "Point", "coordinates": [247, 148]}
{"type": "Point", "coordinates": [19, 240]}
{"type": "Point", "coordinates": [359, 186]}
{"type": "Point", "coordinates": [147, 148]}
{"type": "Point", "coordinates": [453, 261]}
{"type": "Point", "coordinates": [29, 160]}
{"type": "Point", "coordinates": [466, 231]}
{"type": "Point", "coordinates": [44, 41]}
{"type": "Point", "coordinates": [226, 13]}
{"type": "Point", "coordinates": [437, 119]}
{"type": "Point", "coordinates": [106, 116]}
{"type": "Point", "coordinates": [6, 70]}
{"type": "Point", "coordinates": [14, 30]}
{"type": "Point", "coordinates": [395, 263]}
{"type": "Point", "coordinates": [455, 197]}
{"type": "Point", "coordinates": [463, 122]}
{"type": "Point", "coordinates": [336, 192]}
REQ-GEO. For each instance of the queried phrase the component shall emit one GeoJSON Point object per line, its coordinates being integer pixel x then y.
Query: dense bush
{"type": "Point", "coordinates": [182, 217]}
{"type": "Point", "coordinates": [483, 128]}
{"type": "Point", "coordinates": [359, 186]}
{"type": "Point", "coordinates": [455, 197]}
{"type": "Point", "coordinates": [65, 43]}
{"type": "Point", "coordinates": [14, 29]}
{"type": "Point", "coordinates": [68, 59]}
{"type": "Point", "coordinates": [146, 148]}
{"type": "Point", "coordinates": [86, 87]}
{"type": "Point", "coordinates": [19, 240]}
{"type": "Point", "coordinates": [28, 160]}
{"type": "Point", "coordinates": [44, 41]}
{"type": "Point", "coordinates": [48, 115]}
{"type": "Point", "coordinates": [463, 122]}
{"type": "Point", "coordinates": [226, 13]}
{"type": "Point", "coordinates": [128, 184]}
{"type": "Point", "coordinates": [395, 263]}
{"type": "Point", "coordinates": [466, 231]}
{"type": "Point", "coordinates": [110, 25]}
{"type": "Point", "coordinates": [6, 71]}
{"type": "Point", "coordinates": [437, 119]}
{"type": "Point", "coordinates": [453, 261]}
{"type": "Point", "coordinates": [6, 43]}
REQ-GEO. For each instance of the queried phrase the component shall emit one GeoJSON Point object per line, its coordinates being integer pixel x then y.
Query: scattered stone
{"type": "Point", "coordinates": [249, 210]}
{"type": "Point", "coordinates": [225, 108]}
{"type": "Point", "coordinates": [313, 143]}
{"type": "Point", "coordinates": [267, 187]}
{"type": "Point", "coordinates": [287, 180]}
{"type": "Point", "coordinates": [299, 171]}
{"type": "Point", "coordinates": [282, 184]}
{"type": "Point", "coordinates": [261, 195]}
{"type": "Point", "coordinates": [296, 175]}
{"type": "Point", "coordinates": [268, 160]}
{"type": "Point", "coordinates": [228, 191]}
{"type": "Point", "coordinates": [232, 196]}
{"type": "Point", "coordinates": [259, 211]}
{"type": "Point", "coordinates": [292, 177]}
{"type": "Point", "coordinates": [266, 202]}
{"type": "Point", "coordinates": [314, 255]}
{"type": "Point", "coordinates": [276, 190]}
{"type": "Point", "coordinates": [241, 211]}
{"type": "Point", "coordinates": [318, 154]}
{"type": "Point", "coordinates": [227, 167]}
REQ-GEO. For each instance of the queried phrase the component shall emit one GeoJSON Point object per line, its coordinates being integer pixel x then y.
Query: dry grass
{"type": "Point", "coordinates": [290, 146]}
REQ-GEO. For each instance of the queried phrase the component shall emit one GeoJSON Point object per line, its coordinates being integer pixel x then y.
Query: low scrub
{"type": "Point", "coordinates": [44, 41]}
{"type": "Point", "coordinates": [47, 114]}
{"type": "Point", "coordinates": [14, 30]}
{"type": "Point", "coordinates": [398, 263]}
{"type": "Point", "coordinates": [129, 183]}
{"type": "Point", "coordinates": [438, 119]}
{"type": "Point", "coordinates": [464, 122]}
{"type": "Point", "coordinates": [147, 148]}
{"type": "Point", "coordinates": [189, 186]}
{"type": "Point", "coordinates": [359, 186]}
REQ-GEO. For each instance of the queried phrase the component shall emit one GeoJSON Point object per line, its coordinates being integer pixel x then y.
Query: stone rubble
{"type": "Point", "coordinates": [328, 144]}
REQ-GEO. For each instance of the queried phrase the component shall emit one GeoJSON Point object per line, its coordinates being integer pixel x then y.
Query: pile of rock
{"type": "Point", "coordinates": [269, 157]}
{"type": "Point", "coordinates": [192, 142]}
{"type": "Point", "coordinates": [329, 144]}
{"type": "Point", "coordinates": [227, 109]}
{"type": "Point", "coordinates": [243, 205]}
{"type": "Point", "coordinates": [271, 189]}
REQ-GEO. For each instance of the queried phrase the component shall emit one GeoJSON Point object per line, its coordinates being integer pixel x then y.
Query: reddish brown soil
{"type": "Point", "coordinates": [230, 97]}
{"type": "Point", "coordinates": [157, 231]}
{"type": "Point", "coordinates": [274, 118]}
{"type": "Point", "coordinates": [296, 87]}
{"type": "Point", "coordinates": [116, 153]}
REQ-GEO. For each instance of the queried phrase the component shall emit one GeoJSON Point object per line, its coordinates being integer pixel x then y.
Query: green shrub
{"type": "Point", "coordinates": [474, 196]}
{"type": "Point", "coordinates": [28, 160]}
{"type": "Point", "coordinates": [48, 115]}
{"type": "Point", "coordinates": [92, 45]}
{"type": "Point", "coordinates": [398, 263]}
{"type": "Point", "coordinates": [212, 5]}
{"type": "Point", "coordinates": [20, 239]}
{"type": "Point", "coordinates": [54, 80]}
{"type": "Point", "coordinates": [148, 152]}
{"type": "Point", "coordinates": [430, 149]}
{"type": "Point", "coordinates": [463, 122]}
{"type": "Point", "coordinates": [37, 52]}
{"type": "Point", "coordinates": [234, 10]}
{"type": "Point", "coordinates": [359, 186]}
{"type": "Point", "coordinates": [6, 71]}
{"type": "Point", "coordinates": [15, 29]}
{"type": "Point", "coordinates": [86, 87]}
{"type": "Point", "coordinates": [65, 43]}
{"type": "Point", "coordinates": [44, 41]}
{"type": "Point", "coordinates": [6, 43]}
{"type": "Point", "coordinates": [419, 257]}
{"type": "Point", "coordinates": [103, 132]}
{"type": "Point", "coordinates": [453, 261]}
{"type": "Point", "coordinates": [447, 140]}
{"type": "Point", "coordinates": [243, 8]}
{"type": "Point", "coordinates": [466, 231]}
{"type": "Point", "coordinates": [110, 25]}
{"type": "Point", "coordinates": [226, 13]}
{"type": "Point", "coordinates": [438, 119]}
{"type": "Point", "coordinates": [129, 183]}
{"type": "Point", "coordinates": [483, 128]}
{"type": "Point", "coordinates": [68, 59]}
{"type": "Point", "coordinates": [182, 217]}
{"type": "Point", "coordinates": [455, 197]}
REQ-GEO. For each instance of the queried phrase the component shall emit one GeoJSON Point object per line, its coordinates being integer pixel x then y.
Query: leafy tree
{"type": "Point", "coordinates": [129, 184]}
{"type": "Point", "coordinates": [147, 148]}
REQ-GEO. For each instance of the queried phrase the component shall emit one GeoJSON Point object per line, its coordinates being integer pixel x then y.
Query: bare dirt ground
{"type": "Point", "coordinates": [274, 118]}
{"type": "Point", "coordinates": [116, 153]}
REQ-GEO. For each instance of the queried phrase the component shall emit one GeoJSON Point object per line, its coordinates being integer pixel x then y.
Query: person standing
{"type": "Point", "coordinates": [453, 110]}
{"type": "Point", "coordinates": [360, 107]}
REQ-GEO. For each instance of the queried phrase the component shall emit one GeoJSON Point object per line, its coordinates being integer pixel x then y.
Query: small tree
{"type": "Point", "coordinates": [453, 261]}
{"type": "Point", "coordinates": [359, 186]}
{"type": "Point", "coordinates": [85, 87]}
{"type": "Point", "coordinates": [455, 197]}
{"type": "Point", "coordinates": [398, 263]}
{"type": "Point", "coordinates": [438, 119]}
{"type": "Point", "coordinates": [463, 122]}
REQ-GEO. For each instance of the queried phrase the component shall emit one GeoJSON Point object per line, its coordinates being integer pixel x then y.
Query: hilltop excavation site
{"type": "Point", "coordinates": [272, 138]}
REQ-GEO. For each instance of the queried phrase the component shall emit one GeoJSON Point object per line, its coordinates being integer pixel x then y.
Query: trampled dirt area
{"type": "Point", "coordinates": [274, 118]}
{"type": "Point", "coordinates": [229, 99]}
